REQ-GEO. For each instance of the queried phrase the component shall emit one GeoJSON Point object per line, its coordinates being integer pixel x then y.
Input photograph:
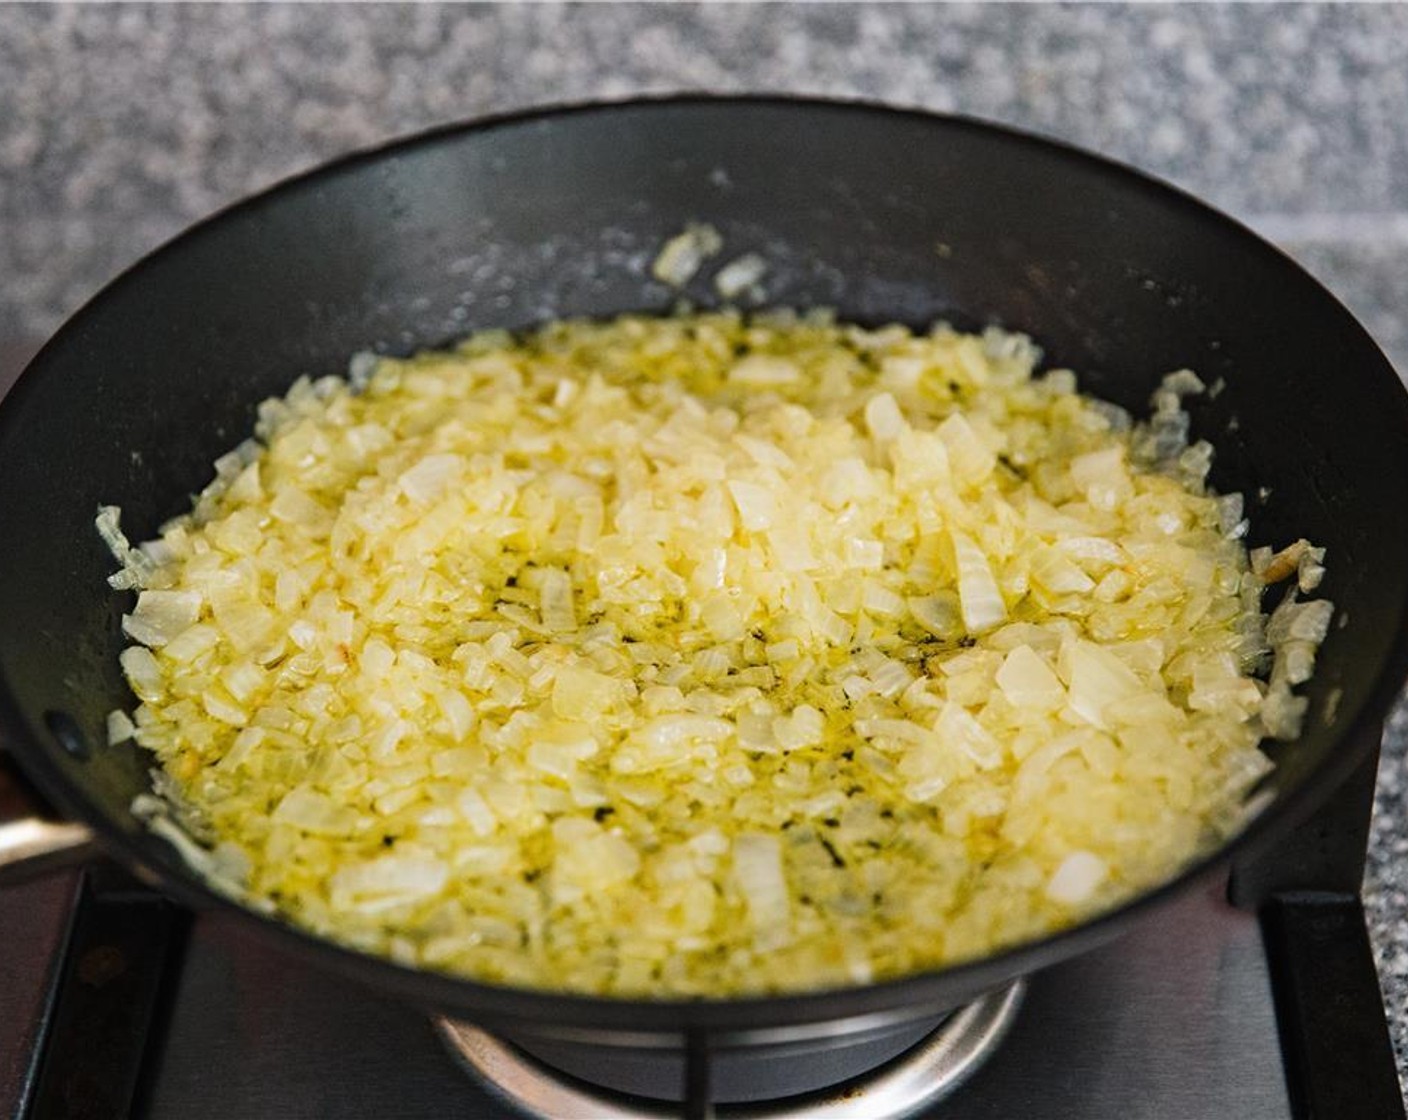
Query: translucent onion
{"type": "Point", "coordinates": [978, 593]}
{"type": "Point", "coordinates": [706, 655]}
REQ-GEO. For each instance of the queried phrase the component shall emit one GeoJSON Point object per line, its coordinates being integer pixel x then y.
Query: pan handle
{"type": "Point", "coordinates": [32, 844]}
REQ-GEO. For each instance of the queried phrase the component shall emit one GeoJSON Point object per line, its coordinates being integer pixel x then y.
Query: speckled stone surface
{"type": "Point", "coordinates": [121, 125]}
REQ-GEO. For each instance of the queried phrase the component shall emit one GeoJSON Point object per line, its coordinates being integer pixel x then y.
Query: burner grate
{"type": "Point", "coordinates": [914, 1080]}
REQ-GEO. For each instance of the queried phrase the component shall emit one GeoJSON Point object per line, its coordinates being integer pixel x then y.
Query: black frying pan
{"type": "Point", "coordinates": [884, 215]}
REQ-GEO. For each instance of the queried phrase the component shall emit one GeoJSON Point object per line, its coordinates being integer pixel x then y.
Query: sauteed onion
{"type": "Point", "coordinates": [705, 655]}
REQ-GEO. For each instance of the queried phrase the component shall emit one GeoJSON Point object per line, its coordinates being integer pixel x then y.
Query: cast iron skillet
{"type": "Point", "coordinates": [881, 214]}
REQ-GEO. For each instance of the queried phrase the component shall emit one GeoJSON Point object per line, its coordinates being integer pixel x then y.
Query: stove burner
{"type": "Point", "coordinates": [919, 1076]}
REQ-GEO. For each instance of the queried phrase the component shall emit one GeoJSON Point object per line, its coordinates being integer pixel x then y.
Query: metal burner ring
{"type": "Point", "coordinates": [921, 1076]}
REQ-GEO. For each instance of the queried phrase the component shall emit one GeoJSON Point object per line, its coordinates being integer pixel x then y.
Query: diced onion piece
{"type": "Point", "coordinates": [428, 479]}
{"type": "Point", "coordinates": [941, 615]}
{"type": "Point", "coordinates": [161, 615]}
{"type": "Point", "coordinates": [588, 858]}
{"type": "Point", "coordinates": [883, 418]}
{"type": "Point", "coordinates": [120, 727]}
{"type": "Point", "coordinates": [1028, 682]}
{"type": "Point", "coordinates": [1059, 575]}
{"type": "Point", "coordinates": [1282, 712]}
{"type": "Point", "coordinates": [867, 555]}
{"type": "Point", "coordinates": [670, 733]}
{"type": "Point", "coordinates": [475, 810]}
{"type": "Point", "coordinates": [1293, 621]}
{"type": "Point", "coordinates": [109, 526]}
{"type": "Point", "coordinates": [681, 256]}
{"type": "Point", "coordinates": [958, 730]}
{"type": "Point", "coordinates": [555, 602]}
{"type": "Point", "coordinates": [804, 727]}
{"type": "Point", "coordinates": [978, 594]}
{"type": "Point", "coordinates": [791, 549]}
{"type": "Point", "coordinates": [390, 878]}
{"type": "Point", "coordinates": [1097, 551]}
{"type": "Point", "coordinates": [739, 275]}
{"type": "Point", "coordinates": [720, 614]}
{"type": "Point", "coordinates": [879, 600]}
{"type": "Point", "coordinates": [758, 873]}
{"type": "Point", "coordinates": [191, 643]}
{"type": "Point", "coordinates": [1183, 383]}
{"type": "Point", "coordinates": [143, 673]}
{"type": "Point", "coordinates": [1077, 878]}
{"type": "Point", "coordinates": [757, 505]}
{"type": "Point", "coordinates": [458, 711]}
{"type": "Point", "coordinates": [972, 460]}
{"type": "Point", "coordinates": [315, 813]}
{"type": "Point", "coordinates": [1098, 679]}
{"type": "Point", "coordinates": [580, 693]}
{"type": "Point", "coordinates": [764, 371]}
{"type": "Point", "coordinates": [558, 749]}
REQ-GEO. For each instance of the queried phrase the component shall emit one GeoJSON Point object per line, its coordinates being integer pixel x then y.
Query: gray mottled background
{"type": "Point", "coordinates": [121, 125]}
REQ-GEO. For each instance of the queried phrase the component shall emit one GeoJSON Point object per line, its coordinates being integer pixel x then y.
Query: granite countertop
{"type": "Point", "coordinates": [121, 125]}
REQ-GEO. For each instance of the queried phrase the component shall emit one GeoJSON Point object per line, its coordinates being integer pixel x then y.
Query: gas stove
{"type": "Point", "coordinates": [114, 1002]}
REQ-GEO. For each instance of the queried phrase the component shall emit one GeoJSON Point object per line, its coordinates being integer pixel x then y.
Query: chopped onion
{"type": "Point", "coordinates": [883, 418]}
{"type": "Point", "coordinates": [120, 727]}
{"type": "Point", "coordinates": [1098, 680]}
{"type": "Point", "coordinates": [388, 879]}
{"type": "Point", "coordinates": [162, 615]}
{"type": "Point", "coordinates": [1028, 682]}
{"type": "Point", "coordinates": [978, 593]}
{"type": "Point", "coordinates": [757, 869]}
{"type": "Point", "coordinates": [1078, 877]}
{"type": "Point", "coordinates": [740, 275]}
{"type": "Point", "coordinates": [701, 655]}
{"type": "Point", "coordinates": [971, 460]}
{"type": "Point", "coordinates": [682, 255]}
